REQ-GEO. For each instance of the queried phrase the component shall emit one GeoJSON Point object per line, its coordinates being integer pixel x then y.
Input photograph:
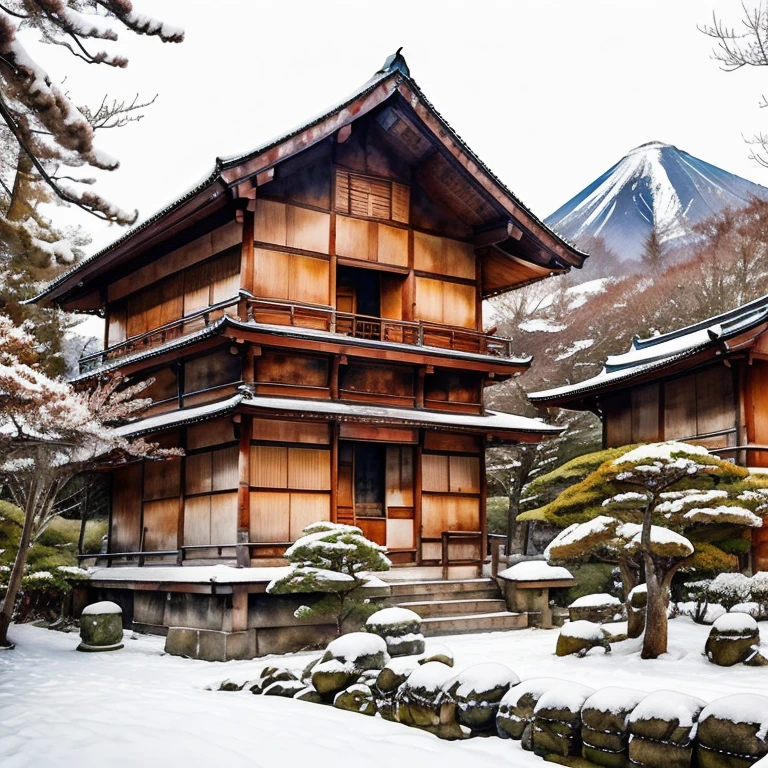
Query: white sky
{"type": "Point", "coordinates": [549, 93]}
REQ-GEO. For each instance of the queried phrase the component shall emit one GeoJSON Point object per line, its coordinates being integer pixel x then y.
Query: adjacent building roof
{"type": "Point", "coordinates": [714, 336]}
{"type": "Point", "coordinates": [215, 189]}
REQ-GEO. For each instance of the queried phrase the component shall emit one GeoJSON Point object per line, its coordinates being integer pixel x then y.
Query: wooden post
{"type": "Point", "coordinates": [334, 470]}
{"type": "Point", "coordinates": [409, 289]}
{"type": "Point", "coordinates": [182, 491]}
{"type": "Point", "coordinates": [247, 257]}
{"type": "Point", "coordinates": [244, 493]}
{"type": "Point", "coordinates": [421, 372]}
{"type": "Point", "coordinates": [239, 608]}
{"type": "Point", "coordinates": [332, 263]}
{"type": "Point", "coordinates": [740, 386]}
{"type": "Point", "coordinates": [483, 504]}
{"type": "Point", "coordinates": [444, 553]}
{"type": "Point", "coordinates": [417, 482]}
{"type": "Point", "coordinates": [334, 382]}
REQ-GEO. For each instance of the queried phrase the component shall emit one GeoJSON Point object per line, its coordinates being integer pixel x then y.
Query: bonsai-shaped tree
{"type": "Point", "coordinates": [646, 512]}
{"type": "Point", "coordinates": [335, 560]}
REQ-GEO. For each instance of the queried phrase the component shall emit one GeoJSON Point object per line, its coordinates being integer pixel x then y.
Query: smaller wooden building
{"type": "Point", "coordinates": [706, 383]}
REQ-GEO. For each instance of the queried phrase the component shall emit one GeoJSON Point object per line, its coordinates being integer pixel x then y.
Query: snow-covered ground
{"type": "Point", "coordinates": [138, 707]}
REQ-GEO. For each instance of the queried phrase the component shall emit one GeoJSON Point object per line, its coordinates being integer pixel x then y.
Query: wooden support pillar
{"type": "Point", "coordinates": [409, 289]}
{"type": "Point", "coordinates": [334, 471]}
{"type": "Point", "coordinates": [417, 483]}
{"type": "Point", "coordinates": [421, 372]}
{"type": "Point", "coordinates": [247, 258]}
{"type": "Point", "coordinates": [182, 490]}
{"type": "Point", "coordinates": [334, 382]}
{"type": "Point", "coordinates": [244, 493]}
{"type": "Point", "coordinates": [239, 608]}
{"type": "Point", "coordinates": [332, 263]}
{"type": "Point", "coordinates": [483, 505]}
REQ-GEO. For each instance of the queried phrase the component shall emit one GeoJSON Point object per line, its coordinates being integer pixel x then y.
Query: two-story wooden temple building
{"type": "Point", "coordinates": [311, 314]}
{"type": "Point", "coordinates": [706, 383]}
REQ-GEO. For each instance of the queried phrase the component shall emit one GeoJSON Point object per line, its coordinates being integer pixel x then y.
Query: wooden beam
{"type": "Point", "coordinates": [344, 133]}
{"type": "Point", "coordinates": [497, 235]}
{"type": "Point", "coordinates": [265, 177]}
{"type": "Point", "coordinates": [334, 471]}
{"type": "Point", "coordinates": [247, 258]}
{"type": "Point", "coordinates": [417, 483]}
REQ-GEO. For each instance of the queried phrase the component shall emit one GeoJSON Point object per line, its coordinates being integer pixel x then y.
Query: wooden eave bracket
{"type": "Point", "coordinates": [497, 234]}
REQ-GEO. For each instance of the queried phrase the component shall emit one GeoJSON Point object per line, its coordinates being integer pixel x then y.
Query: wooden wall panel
{"type": "Point", "coordinates": [399, 476]}
{"type": "Point", "coordinates": [269, 466]}
{"type": "Point", "coordinates": [443, 256]}
{"type": "Point", "coordinates": [374, 530]}
{"type": "Point", "coordinates": [292, 369]}
{"type": "Point", "coordinates": [645, 414]}
{"type": "Point", "coordinates": [270, 222]}
{"type": "Point", "coordinates": [307, 230]}
{"type": "Point", "coordinates": [715, 406]}
{"type": "Point", "coordinates": [223, 518]}
{"type": "Point", "coordinates": [429, 300]}
{"type": "Point", "coordinates": [392, 245]}
{"type": "Point", "coordinates": [400, 534]}
{"type": "Point", "coordinates": [309, 280]}
{"type": "Point", "coordinates": [459, 305]}
{"type": "Point", "coordinates": [161, 521]}
{"type": "Point", "coordinates": [760, 550]}
{"type": "Point", "coordinates": [117, 327]}
{"type": "Point", "coordinates": [618, 420]}
{"type": "Point", "coordinates": [270, 516]}
{"type": "Point", "coordinates": [291, 431]}
{"type": "Point", "coordinates": [352, 238]}
{"type": "Point", "coordinates": [401, 202]}
{"type": "Point", "coordinates": [434, 473]}
{"type": "Point", "coordinates": [451, 441]}
{"type": "Point", "coordinates": [210, 433]}
{"type": "Point", "coordinates": [225, 473]}
{"type": "Point", "coordinates": [198, 473]}
{"type": "Point", "coordinates": [680, 408]}
{"type": "Point", "coordinates": [162, 479]}
{"type": "Point", "coordinates": [757, 415]}
{"type": "Point", "coordinates": [126, 509]}
{"type": "Point", "coordinates": [197, 521]}
{"type": "Point", "coordinates": [308, 508]}
{"type": "Point", "coordinates": [392, 298]}
{"type": "Point", "coordinates": [271, 273]}
{"type": "Point", "coordinates": [211, 371]}
{"type": "Point", "coordinates": [464, 474]}
{"type": "Point", "coordinates": [309, 469]}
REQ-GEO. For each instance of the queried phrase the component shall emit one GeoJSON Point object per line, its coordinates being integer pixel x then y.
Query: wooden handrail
{"type": "Point", "coordinates": [445, 539]}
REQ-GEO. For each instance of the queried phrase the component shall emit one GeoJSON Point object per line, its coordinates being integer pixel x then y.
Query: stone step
{"type": "Point", "coordinates": [431, 608]}
{"type": "Point", "coordinates": [451, 588]}
{"type": "Point", "coordinates": [438, 597]}
{"type": "Point", "coordinates": [477, 622]}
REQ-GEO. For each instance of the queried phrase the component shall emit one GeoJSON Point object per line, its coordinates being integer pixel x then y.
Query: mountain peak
{"type": "Point", "coordinates": [655, 186]}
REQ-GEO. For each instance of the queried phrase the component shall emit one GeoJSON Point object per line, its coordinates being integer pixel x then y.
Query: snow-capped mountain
{"type": "Point", "coordinates": [655, 185]}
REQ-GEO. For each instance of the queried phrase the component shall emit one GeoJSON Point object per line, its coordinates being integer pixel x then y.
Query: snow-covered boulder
{"type": "Point", "coordinates": [604, 725]}
{"type": "Point", "coordinates": [514, 719]}
{"type": "Point", "coordinates": [557, 720]}
{"type": "Point", "coordinates": [437, 652]}
{"type": "Point", "coordinates": [400, 628]}
{"type": "Point", "coordinates": [363, 650]}
{"type": "Point", "coordinates": [268, 676]}
{"type": "Point", "coordinates": [750, 608]}
{"type": "Point", "coordinates": [662, 729]}
{"type": "Point", "coordinates": [733, 731]}
{"type": "Point", "coordinates": [600, 608]}
{"type": "Point", "coordinates": [578, 637]}
{"type": "Point", "coordinates": [396, 672]}
{"type": "Point", "coordinates": [478, 690]}
{"type": "Point", "coordinates": [535, 570]}
{"type": "Point", "coordinates": [356, 698]}
{"type": "Point", "coordinates": [330, 677]}
{"type": "Point", "coordinates": [309, 694]}
{"type": "Point", "coordinates": [734, 639]}
{"type": "Point", "coordinates": [101, 627]}
{"type": "Point", "coordinates": [421, 702]}
{"type": "Point", "coordinates": [288, 689]}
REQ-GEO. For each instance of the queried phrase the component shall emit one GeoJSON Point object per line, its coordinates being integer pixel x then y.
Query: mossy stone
{"type": "Point", "coordinates": [728, 648]}
{"type": "Point", "coordinates": [330, 678]}
{"type": "Point", "coordinates": [231, 685]}
{"type": "Point", "coordinates": [569, 646]}
{"type": "Point", "coordinates": [744, 742]}
{"type": "Point", "coordinates": [308, 693]}
{"type": "Point", "coordinates": [477, 705]}
{"type": "Point", "coordinates": [270, 675]}
{"type": "Point", "coordinates": [605, 758]}
{"type": "Point", "coordinates": [389, 679]}
{"type": "Point", "coordinates": [554, 737]}
{"type": "Point", "coordinates": [410, 645]}
{"type": "Point", "coordinates": [357, 698]}
{"type": "Point", "coordinates": [285, 688]}
{"type": "Point", "coordinates": [443, 655]}
{"type": "Point", "coordinates": [647, 753]}
{"type": "Point", "coordinates": [101, 631]}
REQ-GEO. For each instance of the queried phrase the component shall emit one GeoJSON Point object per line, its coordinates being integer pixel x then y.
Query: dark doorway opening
{"type": "Point", "coordinates": [370, 464]}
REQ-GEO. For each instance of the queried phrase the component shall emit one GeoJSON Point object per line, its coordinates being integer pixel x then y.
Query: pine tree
{"type": "Point", "coordinates": [651, 500]}
{"type": "Point", "coordinates": [49, 434]}
{"type": "Point", "coordinates": [333, 559]}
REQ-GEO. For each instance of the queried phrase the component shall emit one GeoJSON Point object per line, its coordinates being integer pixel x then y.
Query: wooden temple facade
{"type": "Point", "coordinates": [311, 315]}
{"type": "Point", "coordinates": [705, 384]}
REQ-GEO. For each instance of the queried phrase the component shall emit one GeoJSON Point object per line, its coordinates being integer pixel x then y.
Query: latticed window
{"type": "Point", "coordinates": [371, 197]}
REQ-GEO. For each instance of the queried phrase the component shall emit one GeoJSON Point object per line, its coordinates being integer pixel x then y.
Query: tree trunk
{"type": "Point", "coordinates": [656, 622]}
{"type": "Point", "coordinates": [17, 572]}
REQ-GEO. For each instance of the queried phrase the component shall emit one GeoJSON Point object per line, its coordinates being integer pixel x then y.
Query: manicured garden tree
{"type": "Point", "coordinates": [48, 435]}
{"type": "Point", "coordinates": [335, 560]}
{"type": "Point", "coordinates": [648, 499]}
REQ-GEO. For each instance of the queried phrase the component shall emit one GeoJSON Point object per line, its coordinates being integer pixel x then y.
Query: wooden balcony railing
{"type": "Point", "coordinates": [417, 334]}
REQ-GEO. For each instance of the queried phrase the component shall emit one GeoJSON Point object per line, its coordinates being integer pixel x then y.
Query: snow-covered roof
{"type": "Point", "coordinates": [340, 411]}
{"type": "Point", "coordinates": [394, 70]}
{"type": "Point", "coordinates": [657, 352]}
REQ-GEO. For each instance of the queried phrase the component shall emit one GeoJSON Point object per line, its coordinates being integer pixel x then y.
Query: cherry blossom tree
{"type": "Point", "coordinates": [651, 497]}
{"type": "Point", "coordinates": [49, 433]}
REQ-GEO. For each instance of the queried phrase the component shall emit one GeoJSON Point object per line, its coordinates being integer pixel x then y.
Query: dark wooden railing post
{"type": "Point", "coordinates": [445, 554]}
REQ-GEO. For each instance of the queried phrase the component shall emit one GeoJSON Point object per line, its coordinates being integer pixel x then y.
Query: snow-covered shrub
{"type": "Point", "coordinates": [729, 589]}
{"type": "Point", "coordinates": [333, 560]}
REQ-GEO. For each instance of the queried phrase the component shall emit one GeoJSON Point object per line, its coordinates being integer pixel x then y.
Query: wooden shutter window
{"type": "Point", "coordinates": [371, 197]}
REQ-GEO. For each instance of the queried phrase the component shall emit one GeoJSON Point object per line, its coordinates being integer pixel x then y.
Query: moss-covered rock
{"type": "Point", "coordinates": [363, 650]}
{"type": "Point", "coordinates": [598, 608]}
{"type": "Point", "coordinates": [101, 627]}
{"type": "Point", "coordinates": [231, 685]}
{"type": "Point", "coordinates": [515, 713]}
{"type": "Point", "coordinates": [604, 726]}
{"type": "Point", "coordinates": [400, 628]}
{"type": "Point", "coordinates": [309, 694]}
{"type": "Point", "coordinates": [557, 720]}
{"type": "Point", "coordinates": [579, 637]}
{"type": "Point", "coordinates": [357, 698]}
{"type": "Point", "coordinates": [330, 677]}
{"type": "Point", "coordinates": [733, 639]}
{"type": "Point", "coordinates": [435, 652]}
{"type": "Point", "coordinates": [478, 690]}
{"type": "Point", "coordinates": [268, 676]}
{"type": "Point", "coordinates": [285, 688]}
{"type": "Point", "coordinates": [732, 731]}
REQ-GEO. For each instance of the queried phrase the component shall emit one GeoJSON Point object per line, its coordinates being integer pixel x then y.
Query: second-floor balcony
{"type": "Point", "coordinates": [266, 312]}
